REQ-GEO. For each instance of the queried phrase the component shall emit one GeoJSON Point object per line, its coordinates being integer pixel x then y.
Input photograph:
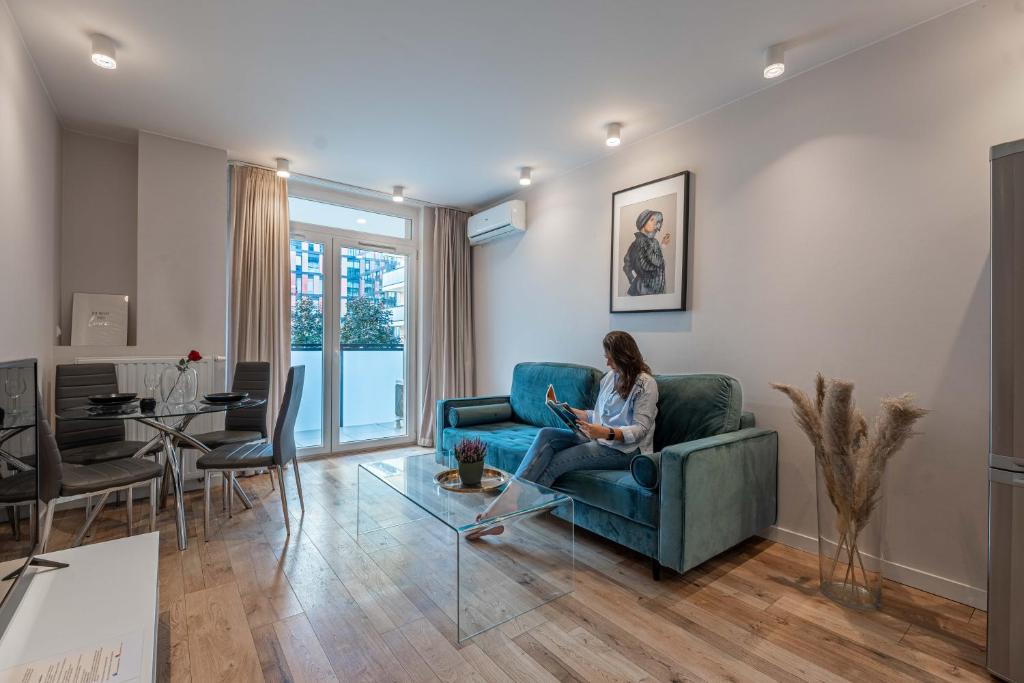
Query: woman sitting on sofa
{"type": "Point", "coordinates": [620, 426]}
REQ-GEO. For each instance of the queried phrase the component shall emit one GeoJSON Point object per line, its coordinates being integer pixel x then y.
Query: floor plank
{"type": "Point", "coordinates": [220, 644]}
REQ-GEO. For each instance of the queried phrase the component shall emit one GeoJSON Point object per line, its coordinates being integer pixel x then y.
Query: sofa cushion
{"type": "Point", "coordinates": [692, 407]}
{"type": "Point", "coordinates": [507, 442]}
{"type": "Point", "coordinates": [646, 470]}
{"type": "Point", "coordinates": [467, 416]}
{"type": "Point", "coordinates": [577, 385]}
{"type": "Point", "coordinates": [613, 491]}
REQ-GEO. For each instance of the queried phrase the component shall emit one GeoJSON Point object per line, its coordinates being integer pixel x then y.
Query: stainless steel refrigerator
{"type": "Point", "coordinates": [1006, 439]}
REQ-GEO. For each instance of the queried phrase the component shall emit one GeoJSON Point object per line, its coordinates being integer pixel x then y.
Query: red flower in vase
{"type": "Point", "coordinates": [194, 356]}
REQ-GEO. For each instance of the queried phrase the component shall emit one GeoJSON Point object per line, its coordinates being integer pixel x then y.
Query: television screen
{"type": "Point", "coordinates": [19, 485]}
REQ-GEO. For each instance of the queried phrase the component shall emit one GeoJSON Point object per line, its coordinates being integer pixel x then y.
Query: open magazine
{"type": "Point", "coordinates": [563, 412]}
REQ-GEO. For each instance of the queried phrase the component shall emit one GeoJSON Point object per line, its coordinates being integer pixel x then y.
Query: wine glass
{"type": "Point", "coordinates": [15, 387]}
{"type": "Point", "coordinates": [152, 380]}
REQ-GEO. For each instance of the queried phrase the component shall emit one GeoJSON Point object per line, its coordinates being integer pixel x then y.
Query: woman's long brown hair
{"type": "Point", "coordinates": [625, 355]}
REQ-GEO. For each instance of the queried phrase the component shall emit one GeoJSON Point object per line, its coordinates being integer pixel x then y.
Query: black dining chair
{"type": "Point", "coordinates": [244, 425]}
{"type": "Point", "coordinates": [232, 458]}
{"type": "Point", "coordinates": [16, 490]}
{"type": "Point", "coordinates": [85, 442]}
{"type": "Point", "coordinates": [61, 482]}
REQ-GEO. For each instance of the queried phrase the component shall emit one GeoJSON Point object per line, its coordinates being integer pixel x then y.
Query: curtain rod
{"type": "Point", "coordinates": [334, 184]}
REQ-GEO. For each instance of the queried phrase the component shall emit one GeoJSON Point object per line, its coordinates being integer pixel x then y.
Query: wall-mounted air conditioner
{"type": "Point", "coordinates": [504, 219]}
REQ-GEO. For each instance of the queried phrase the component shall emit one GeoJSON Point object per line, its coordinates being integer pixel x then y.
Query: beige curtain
{"type": "Point", "coordinates": [450, 365]}
{"type": "Point", "coordinates": [260, 288]}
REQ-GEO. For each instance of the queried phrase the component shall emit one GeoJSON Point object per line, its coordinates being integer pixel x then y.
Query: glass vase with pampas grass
{"type": "Point", "coordinates": [850, 460]}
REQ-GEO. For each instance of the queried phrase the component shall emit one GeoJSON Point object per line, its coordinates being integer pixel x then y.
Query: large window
{"type": "Point", "coordinates": [350, 325]}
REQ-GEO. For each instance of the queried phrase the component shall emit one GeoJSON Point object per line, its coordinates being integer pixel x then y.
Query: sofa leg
{"type": "Point", "coordinates": [655, 569]}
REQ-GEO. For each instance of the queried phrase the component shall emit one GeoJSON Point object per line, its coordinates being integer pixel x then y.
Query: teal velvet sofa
{"type": "Point", "coordinates": [711, 483]}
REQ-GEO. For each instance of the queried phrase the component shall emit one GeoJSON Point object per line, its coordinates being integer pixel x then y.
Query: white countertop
{"type": "Point", "coordinates": [109, 591]}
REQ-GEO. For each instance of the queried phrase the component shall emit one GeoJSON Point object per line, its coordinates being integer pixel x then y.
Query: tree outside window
{"type": "Point", "coordinates": [307, 323]}
{"type": "Point", "coordinates": [368, 321]}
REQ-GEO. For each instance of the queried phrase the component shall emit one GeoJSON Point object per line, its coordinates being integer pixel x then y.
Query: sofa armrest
{"type": "Point", "coordinates": [715, 493]}
{"type": "Point", "coordinates": [441, 414]}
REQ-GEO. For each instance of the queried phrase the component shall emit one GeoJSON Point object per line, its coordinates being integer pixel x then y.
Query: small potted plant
{"type": "Point", "coordinates": [470, 455]}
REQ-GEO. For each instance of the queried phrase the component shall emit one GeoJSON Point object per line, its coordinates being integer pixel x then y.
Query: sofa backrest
{"type": "Point", "coordinates": [692, 407]}
{"type": "Point", "coordinates": [577, 385]}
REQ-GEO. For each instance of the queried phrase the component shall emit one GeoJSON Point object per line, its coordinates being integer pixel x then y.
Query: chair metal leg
{"type": "Point", "coordinates": [270, 473]}
{"type": "Point", "coordinates": [284, 500]}
{"type": "Point", "coordinates": [44, 533]}
{"type": "Point", "coordinates": [154, 491]}
{"type": "Point", "coordinates": [231, 498]}
{"type": "Point", "coordinates": [129, 506]}
{"type": "Point", "coordinates": [88, 510]}
{"type": "Point", "coordinates": [224, 490]}
{"type": "Point", "coordinates": [13, 518]}
{"type": "Point", "coordinates": [93, 514]}
{"type": "Point", "coordinates": [33, 523]}
{"type": "Point", "coordinates": [207, 482]}
{"type": "Point", "coordinates": [298, 484]}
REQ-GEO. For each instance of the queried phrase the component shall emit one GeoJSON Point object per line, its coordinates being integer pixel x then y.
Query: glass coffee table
{"type": "Point", "coordinates": [419, 533]}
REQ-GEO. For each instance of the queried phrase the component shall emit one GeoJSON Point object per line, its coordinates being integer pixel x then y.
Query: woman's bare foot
{"type": "Point", "coordinates": [486, 531]}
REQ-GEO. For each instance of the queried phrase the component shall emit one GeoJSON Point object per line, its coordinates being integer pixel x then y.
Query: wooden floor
{"type": "Point", "coordinates": [253, 605]}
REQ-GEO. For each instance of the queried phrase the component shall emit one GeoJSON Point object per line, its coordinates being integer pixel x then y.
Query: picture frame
{"type": "Point", "coordinates": [649, 246]}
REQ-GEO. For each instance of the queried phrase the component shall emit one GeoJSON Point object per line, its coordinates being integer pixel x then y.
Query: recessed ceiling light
{"type": "Point", "coordinates": [104, 54]}
{"type": "Point", "coordinates": [283, 168]}
{"type": "Point", "coordinates": [361, 221]}
{"type": "Point", "coordinates": [398, 194]}
{"type": "Point", "coordinates": [613, 135]}
{"type": "Point", "coordinates": [774, 61]}
{"type": "Point", "coordinates": [524, 176]}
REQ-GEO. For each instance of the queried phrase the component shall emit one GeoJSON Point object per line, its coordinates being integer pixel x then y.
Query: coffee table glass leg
{"type": "Point", "coordinates": [500, 577]}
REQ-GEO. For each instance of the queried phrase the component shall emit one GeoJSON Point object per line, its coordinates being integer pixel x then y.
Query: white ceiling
{"type": "Point", "coordinates": [446, 97]}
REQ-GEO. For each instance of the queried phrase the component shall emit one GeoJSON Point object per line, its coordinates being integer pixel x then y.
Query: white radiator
{"type": "Point", "coordinates": [131, 377]}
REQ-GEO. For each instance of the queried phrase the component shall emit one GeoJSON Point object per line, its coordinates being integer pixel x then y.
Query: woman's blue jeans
{"type": "Point", "coordinates": [557, 451]}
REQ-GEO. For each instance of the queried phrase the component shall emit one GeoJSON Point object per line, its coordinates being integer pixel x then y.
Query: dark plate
{"type": "Point", "coordinates": [115, 409]}
{"type": "Point", "coordinates": [226, 397]}
{"type": "Point", "coordinates": [111, 399]}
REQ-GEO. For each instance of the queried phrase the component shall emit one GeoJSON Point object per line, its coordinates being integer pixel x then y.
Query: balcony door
{"type": "Point", "coordinates": [352, 326]}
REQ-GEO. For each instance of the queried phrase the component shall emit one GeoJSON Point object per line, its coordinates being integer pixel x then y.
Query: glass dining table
{"type": "Point", "coordinates": [170, 420]}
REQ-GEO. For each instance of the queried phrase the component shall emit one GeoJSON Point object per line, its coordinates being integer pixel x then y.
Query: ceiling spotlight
{"type": "Point", "coordinates": [613, 135]}
{"type": "Point", "coordinates": [283, 168]}
{"type": "Point", "coordinates": [524, 176]}
{"type": "Point", "coordinates": [398, 194]}
{"type": "Point", "coordinates": [774, 61]}
{"type": "Point", "coordinates": [104, 55]}
{"type": "Point", "coordinates": [361, 221]}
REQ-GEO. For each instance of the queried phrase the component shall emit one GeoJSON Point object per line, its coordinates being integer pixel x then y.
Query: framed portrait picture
{"type": "Point", "coordinates": [649, 243]}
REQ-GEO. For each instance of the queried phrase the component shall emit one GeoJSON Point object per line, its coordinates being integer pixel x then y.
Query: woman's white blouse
{"type": "Point", "coordinates": [634, 415]}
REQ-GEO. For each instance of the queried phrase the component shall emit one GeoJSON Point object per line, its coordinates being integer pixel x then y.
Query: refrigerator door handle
{"type": "Point", "coordinates": [1005, 462]}
{"type": "Point", "coordinates": [1006, 477]}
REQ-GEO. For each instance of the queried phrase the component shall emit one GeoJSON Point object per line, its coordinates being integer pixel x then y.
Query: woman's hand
{"type": "Point", "coordinates": [594, 431]}
{"type": "Point", "coordinates": [581, 414]}
{"type": "Point", "coordinates": [666, 238]}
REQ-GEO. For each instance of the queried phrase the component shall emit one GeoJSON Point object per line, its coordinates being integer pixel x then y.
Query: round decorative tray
{"type": "Point", "coordinates": [491, 480]}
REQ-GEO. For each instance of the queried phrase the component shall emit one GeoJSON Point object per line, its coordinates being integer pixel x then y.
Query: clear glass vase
{"type": "Point", "coordinates": [849, 555]}
{"type": "Point", "coordinates": [179, 385]}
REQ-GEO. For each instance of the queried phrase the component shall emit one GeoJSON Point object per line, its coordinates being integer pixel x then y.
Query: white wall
{"type": "Point", "coordinates": [842, 224]}
{"type": "Point", "coordinates": [29, 204]}
{"type": "Point", "coordinates": [98, 225]}
{"type": "Point", "coordinates": [181, 258]}
{"type": "Point", "coordinates": [183, 233]}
